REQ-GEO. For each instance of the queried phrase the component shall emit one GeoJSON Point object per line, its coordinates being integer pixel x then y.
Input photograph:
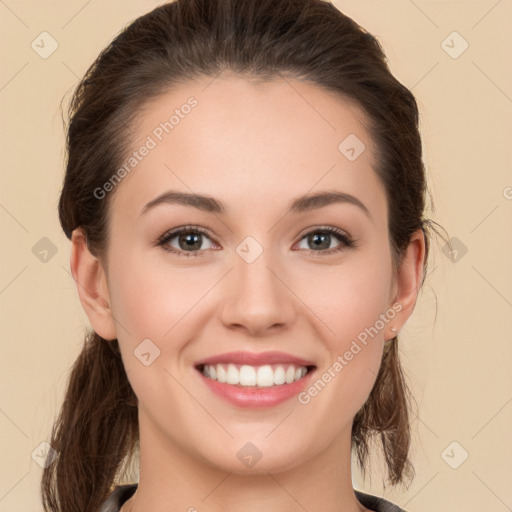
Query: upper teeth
{"type": "Point", "coordinates": [245, 375]}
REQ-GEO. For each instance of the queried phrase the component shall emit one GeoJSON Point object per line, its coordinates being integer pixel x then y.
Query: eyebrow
{"type": "Point", "coordinates": [209, 204]}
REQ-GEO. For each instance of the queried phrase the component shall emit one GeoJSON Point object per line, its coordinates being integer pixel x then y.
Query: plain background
{"type": "Point", "coordinates": [456, 348]}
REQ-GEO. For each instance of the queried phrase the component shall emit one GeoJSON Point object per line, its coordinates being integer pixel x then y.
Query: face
{"type": "Point", "coordinates": [254, 271]}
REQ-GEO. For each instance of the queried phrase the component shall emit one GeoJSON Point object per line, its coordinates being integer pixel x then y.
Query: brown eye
{"type": "Point", "coordinates": [189, 241]}
{"type": "Point", "coordinates": [320, 240]}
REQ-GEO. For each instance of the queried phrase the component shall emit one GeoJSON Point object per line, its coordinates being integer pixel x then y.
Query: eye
{"type": "Point", "coordinates": [188, 239]}
{"type": "Point", "coordinates": [321, 238]}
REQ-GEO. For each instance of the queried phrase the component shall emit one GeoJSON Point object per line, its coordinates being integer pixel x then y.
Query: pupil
{"type": "Point", "coordinates": [324, 240]}
{"type": "Point", "coordinates": [190, 240]}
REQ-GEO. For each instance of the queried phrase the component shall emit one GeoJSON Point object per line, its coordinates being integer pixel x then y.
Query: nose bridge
{"type": "Point", "coordinates": [258, 298]}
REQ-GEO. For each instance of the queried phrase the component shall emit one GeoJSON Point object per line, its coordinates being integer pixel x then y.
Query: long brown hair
{"type": "Point", "coordinates": [96, 431]}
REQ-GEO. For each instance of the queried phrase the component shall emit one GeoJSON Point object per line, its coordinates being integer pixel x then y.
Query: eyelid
{"type": "Point", "coordinates": [324, 228]}
{"type": "Point", "coordinates": [347, 241]}
{"type": "Point", "coordinates": [178, 230]}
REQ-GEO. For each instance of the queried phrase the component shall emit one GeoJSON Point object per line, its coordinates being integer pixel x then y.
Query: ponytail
{"type": "Point", "coordinates": [96, 430]}
{"type": "Point", "coordinates": [386, 412]}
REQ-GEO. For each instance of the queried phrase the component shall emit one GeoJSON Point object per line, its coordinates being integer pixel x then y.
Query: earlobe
{"type": "Point", "coordinates": [90, 279]}
{"type": "Point", "coordinates": [409, 278]}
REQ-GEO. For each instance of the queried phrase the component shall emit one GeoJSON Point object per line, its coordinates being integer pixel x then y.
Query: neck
{"type": "Point", "coordinates": [171, 478]}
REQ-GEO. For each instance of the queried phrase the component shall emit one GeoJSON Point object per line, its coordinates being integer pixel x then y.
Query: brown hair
{"type": "Point", "coordinates": [97, 429]}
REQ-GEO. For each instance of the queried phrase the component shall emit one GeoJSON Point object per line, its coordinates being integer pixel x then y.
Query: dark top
{"type": "Point", "coordinates": [122, 493]}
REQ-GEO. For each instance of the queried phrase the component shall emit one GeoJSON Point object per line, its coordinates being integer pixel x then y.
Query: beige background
{"type": "Point", "coordinates": [457, 360]}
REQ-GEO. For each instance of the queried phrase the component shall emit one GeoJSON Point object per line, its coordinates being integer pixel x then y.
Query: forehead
{"type": "Point", "coordinates": [247, 142]}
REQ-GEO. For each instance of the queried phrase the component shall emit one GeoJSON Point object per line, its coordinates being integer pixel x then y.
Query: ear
{"type": "Point", "coordinates": [408, 281]}
{"type": "Point", "coordinates": [91, 282]}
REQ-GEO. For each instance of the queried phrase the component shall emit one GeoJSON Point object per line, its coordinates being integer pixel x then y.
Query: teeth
{"type": "Point", "coordinates": [279, 376]}
{"type": "Point", "coordinates": [261, 376]}
{"type": "Point", "coordinates": [264, 376]}
{"type": "Point", "coordinates": [221, 373]}
{"type": "Point", "coordinates": [247, 376]}
{"type": "Point", "coordinates": [232, 375]}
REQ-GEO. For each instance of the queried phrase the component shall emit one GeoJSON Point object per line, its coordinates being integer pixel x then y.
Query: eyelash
{"type": "Point", "coordinates": [347, 241]}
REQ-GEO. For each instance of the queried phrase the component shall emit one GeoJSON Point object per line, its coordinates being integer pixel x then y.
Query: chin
{"type": "Point", "coordinates": [256, 457]}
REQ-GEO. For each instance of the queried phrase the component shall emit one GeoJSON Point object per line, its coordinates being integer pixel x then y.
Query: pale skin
{"type": "Point", "coordinates": [255, 149]}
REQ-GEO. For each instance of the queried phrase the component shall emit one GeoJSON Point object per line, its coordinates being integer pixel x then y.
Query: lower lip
{"type": "Point", "coordinates": [253, 397]}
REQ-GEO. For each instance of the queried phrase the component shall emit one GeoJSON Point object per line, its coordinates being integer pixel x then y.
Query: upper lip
{"type": "Point", "coordinates": [255, 359]}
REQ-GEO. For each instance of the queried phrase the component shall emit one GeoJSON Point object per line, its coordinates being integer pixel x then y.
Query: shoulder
{"type": "Point", "coordinates": [377, 504]}
{"type": "Point", "coordinates": [117, 497]}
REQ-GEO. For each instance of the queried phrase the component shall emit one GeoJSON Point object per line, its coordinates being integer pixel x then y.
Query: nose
{"type": "Point", "coordinates": [258, 299]}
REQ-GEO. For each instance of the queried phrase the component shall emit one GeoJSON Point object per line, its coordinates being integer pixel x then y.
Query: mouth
{"type": "Point", "coordinates": [255, 380]}
{"type": "Point", "coordinates": [260, 376]}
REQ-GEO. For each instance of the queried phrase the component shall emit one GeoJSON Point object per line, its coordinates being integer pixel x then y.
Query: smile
{"type": "Point", "coordinates": [255, 380]}
{"type": "Point", "coordinates": [254, 376]}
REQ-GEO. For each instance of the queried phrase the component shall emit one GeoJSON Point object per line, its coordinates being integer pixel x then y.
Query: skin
{"type": "Point", "coordinates": [255, 148]}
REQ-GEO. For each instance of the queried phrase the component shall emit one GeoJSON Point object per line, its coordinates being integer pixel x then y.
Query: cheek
{"type": "Point", "coordinates": [152, 303]}
{"type": "Point", "coordinates": [150, 299]}
{"type": "Point", "coordinates": [354, 342]}
{"type": "Point", "coordinates": [349, 298]}
{"type": "Point", "coordinates": [352, 306]}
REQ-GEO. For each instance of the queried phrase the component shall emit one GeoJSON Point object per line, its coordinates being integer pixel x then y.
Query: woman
{"type": "Point", "coordinates": [245, 198]}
